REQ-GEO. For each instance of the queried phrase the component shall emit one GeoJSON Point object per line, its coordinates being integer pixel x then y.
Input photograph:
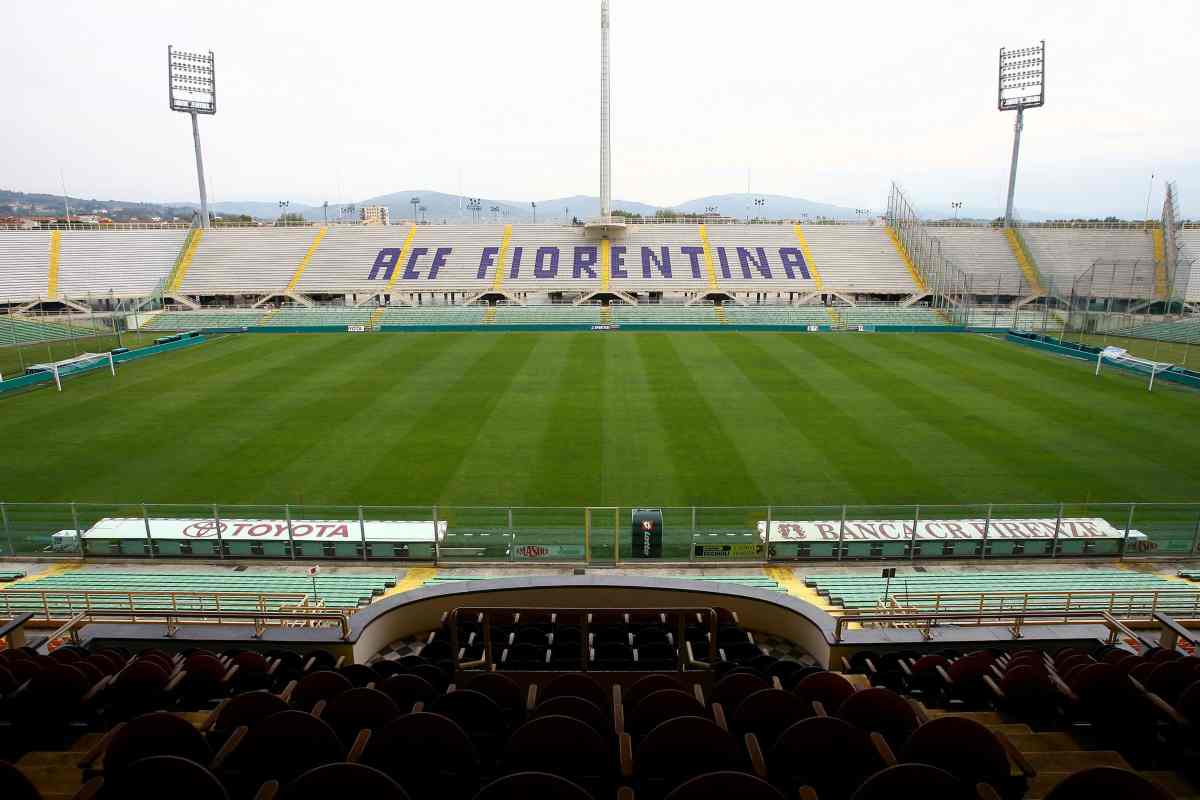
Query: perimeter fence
{"type": "Point", "coordinates": [601, 535]}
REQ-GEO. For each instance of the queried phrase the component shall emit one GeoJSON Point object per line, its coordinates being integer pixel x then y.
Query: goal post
{"type": "Point", "coordinates": [84, 362]}
{"type": "Point", "coordinates": [1120, 357]}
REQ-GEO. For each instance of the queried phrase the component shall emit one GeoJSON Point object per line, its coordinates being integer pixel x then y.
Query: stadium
{"type": "Point", "coordinates": [674, 507]}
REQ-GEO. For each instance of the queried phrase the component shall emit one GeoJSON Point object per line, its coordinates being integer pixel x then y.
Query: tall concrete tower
{"type": "Point", "coordinates": [605, 118]}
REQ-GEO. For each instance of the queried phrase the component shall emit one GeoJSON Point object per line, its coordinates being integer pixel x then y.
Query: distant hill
{"type": "Point", "coordinates": [442, 207]}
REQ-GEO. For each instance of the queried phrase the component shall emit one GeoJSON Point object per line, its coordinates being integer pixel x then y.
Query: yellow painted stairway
{"type": "Point", "coordinates": [186, 254]}
{"type": "Point", "coordinates": [489, 316]}
{"type": "Point", "coordinates": [376, 315]}
{"type": "Point", "coordinates": [605, 315]}
{"type": "Point", "coordinates": [1024, 260]}
{"type": "Point", "coordinates": [833, 315]}
{"type": "Point", "coordinates": [720, 312]}
{"type": "Point", "coordinates": [1160, 264]}
{"type": "Point", "coordinates": [898, 243]}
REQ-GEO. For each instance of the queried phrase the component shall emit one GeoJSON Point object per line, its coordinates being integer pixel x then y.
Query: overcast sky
{"type": "Point", "coordinates": [827, 101]}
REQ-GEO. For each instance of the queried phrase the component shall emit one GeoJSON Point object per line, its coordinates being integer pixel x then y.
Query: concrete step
{"type": "Point", "coordinates": [62, 759]}
{"type": "Point", "coordinates": [1043, 742]}
{"type": "Point", "coordinates": [1011, 729]}
{"type": "Point", "coordinates": [52, 779]}
{"type": "Point", "coordinates": [1075, 760]}
{"type": "Point", "coordinates": [1173, 782]}
{"type": "Point", "coordinates": [982, 717]}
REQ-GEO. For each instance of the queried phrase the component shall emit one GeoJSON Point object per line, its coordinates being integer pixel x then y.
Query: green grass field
{"type": "Point", "coordinates": [569, 419]}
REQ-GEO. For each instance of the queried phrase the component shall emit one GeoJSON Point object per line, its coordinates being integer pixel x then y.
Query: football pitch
{"type": "Point", "coordinates": [602, 419]}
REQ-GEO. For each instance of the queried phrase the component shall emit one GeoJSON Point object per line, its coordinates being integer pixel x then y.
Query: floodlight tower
{"type": "Point", "coordinates": [605, 119]}
{"type": "Point", "coordinates": [1022, 85]}
{"type": "Point", "coordinates": [192, 82]}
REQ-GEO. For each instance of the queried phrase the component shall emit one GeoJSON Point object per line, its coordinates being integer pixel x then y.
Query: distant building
{"type": "Point", "coordinates": [374, 215]}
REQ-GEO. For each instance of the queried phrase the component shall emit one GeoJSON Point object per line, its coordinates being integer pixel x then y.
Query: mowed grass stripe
{"type": "Point", "coordinates": [1116, 410]}
{"type": "Point", "coordinates": [225, 440]}
{"type": "Point", "coordinates": [812, 410]}
{"type": "Point", "coordinates": [421, 465]}
{"type": "Point", "coordinates": [535, 436]}
{"type": "Point", "coordinates": [1051, 405]}
{"type": "Point", "coordinates": [395, 401]}
{"type": "Point", "coordinates": [1014, 449]}
{"type": "Point", "coordinates": [332, 421]}
{"type": "Point", "coordinates": [639, 463]}
{"type": "Point", "coordinates": [126, 428]}
{"type": "Point", "coordinates": [708, 462]}
{"type": "Point", "coordinates": [774, 447]}
{"type": "Point", "coordinates": [951, 469]}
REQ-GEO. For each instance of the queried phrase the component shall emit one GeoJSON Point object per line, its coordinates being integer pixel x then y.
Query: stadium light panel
{"type": "Point", "coordinates": [192, 81]}
{"type": "Point", "coordinates": [1022, 82]}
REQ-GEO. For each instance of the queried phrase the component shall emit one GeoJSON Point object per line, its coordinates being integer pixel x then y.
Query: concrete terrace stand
{"type": "Point", "coordinates": [410, 613]}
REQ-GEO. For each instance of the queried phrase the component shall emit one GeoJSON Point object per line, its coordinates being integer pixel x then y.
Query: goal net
{"type": "Point", "coordinates": [84, 362]}
{"type": "Point", "coordinates": [1120, 357]}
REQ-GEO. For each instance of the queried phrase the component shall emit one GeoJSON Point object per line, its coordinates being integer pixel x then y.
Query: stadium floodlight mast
{"type": "Point", "coordinates": [192, 89]}
{"type": "Point", "coordinates": [1022, 85]}
{"type": "Point", "coordinates": [605, 119]}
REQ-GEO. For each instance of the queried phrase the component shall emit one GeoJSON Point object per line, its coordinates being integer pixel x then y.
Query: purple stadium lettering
{"type": "Point", "coordinates": [486, 260]}
{"type": "Point", "coordinates": [747, 258]}
{"type": "Point", "coordinates": [516, 262]}
{"type": "Point", "coordinates": [385, 260]}
{"type": "Point", "coordinates": [793, 260]}
{"type": "Point", "coordinates": [410, 272]}
{"type": "Point", "coordinates": [724, 259]}
{"type": "Point", "coordinates": [585, 261]}
{"type": "Point", "coordinates": [618, 261]}
{"type": "Point", "coordinates": [544, 254]}
{"type": "Point", "coordinates": [693, 254]}
{"type": "Point", "coordinates": [663, 265]}
{"type": "Point", "coordinates": [439, 261]}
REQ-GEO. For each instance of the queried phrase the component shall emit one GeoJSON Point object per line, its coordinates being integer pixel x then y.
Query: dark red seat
{"type": "Point", "coordinates": [722, 785]}
{"type": "Point", "coordinates": [827, 688]}
{"type": "Point", "coordinates": [407, 690]}
{"type": "Point", "coordinates": [14, 785]}
{"type": "Point", "coordinates": [359, 675]}
{"type": "Point", "coordinates": [358, 709]}
{"type": "Point", "coordinates": [967, 750]}
{"type": "Point", "coordinates": [680, 749]}
{"type": "Point", "coordinates": [157, 776]}
{"type": "Point", "coordinates": [430, 755]}
{"type": "Point", "coordinates": [565, 747]}
{"type": "Point", "coordinates": [343, 780]}
{"type": "Point", "coordinates": [882, 711]}
{"type": "Point", "coordinates": [478, 715]}
{"type": "Point", "coordinates": [576, 708]}
{"type": "Point", "coordinates": [1106, 783]}
{"type": "Point", "coordinates": [317, 686]}
{"type": "Point", "coordinates": [646, 685]}
{"type": "Point", "coordinates": [506, 693]}
{"type": "Point", "coordinates": [280, 748]}
{"type": "Point", "coordinates": [154, 734]}
{"type": "Point", "coordinates": [914, 781]}
{"type": "Point", "coordinates": [531, 785]}
{"type": "Point", "coordinates": [660, 706]}
{"type": "Point", "coordinates": [828, 754]}
{"type": "Point", "coordinates": [574, 684]}
{"type": "Point", "coordinates": [731, 690]}
{"type": "Point", "coordinates": [768, 713]}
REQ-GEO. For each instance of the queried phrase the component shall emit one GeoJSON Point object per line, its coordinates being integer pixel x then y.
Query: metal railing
{"type": "Point", "coordinates": [1182, 600]}
{"type": "Point", "coordinates": [1015, 620]}
{"type": "Point", "coordinates": [599, 533]}
{"type": "Point", "coordinates": [173, 620]}
{"type": "Point", "coordinates": [54, 605]}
